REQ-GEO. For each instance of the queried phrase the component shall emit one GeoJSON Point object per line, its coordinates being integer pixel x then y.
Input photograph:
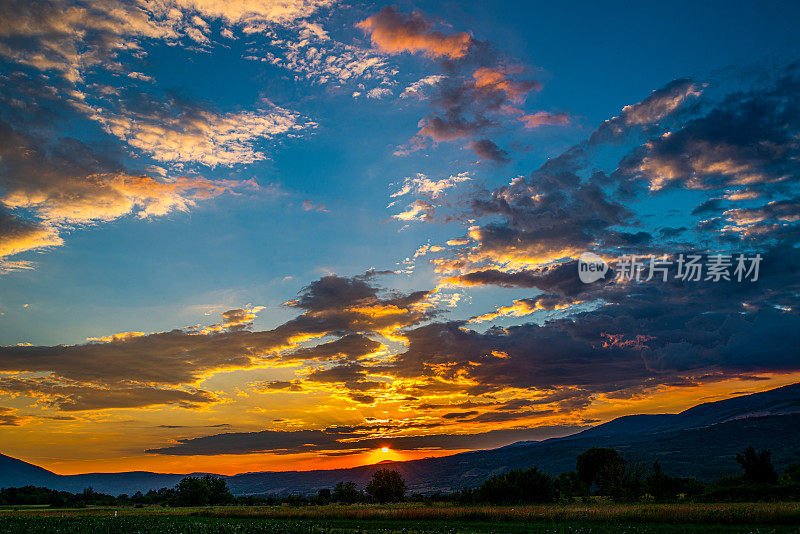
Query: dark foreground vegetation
{"type": "Point", "coordinates": [408, 518]}
{"type": "Point", "coordinates": [601, 475]}
{"type": "Point", "coordinates": [606, 493]}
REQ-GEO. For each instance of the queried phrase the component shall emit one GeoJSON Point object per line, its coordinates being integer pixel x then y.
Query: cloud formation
{"type": "Point", "coordinates": [474, 95]}
{"type": "Point", "coordinates": [350, 342]}
{"type": "Point", "coordinates": [71, 397]}
{"type": "Point", "coordinates": [65, 183]}
{"type": "Point", "coordinates": [177, 133]}
{"type": "Point", "coordinates": [72, 38]}
{"type": "Point", "coordinates": [648, 335]}
{"type": "Point", "coordinates": [394, 32]}
{"type": "Point", "coordinates": [333, 439]}
{"type": "Point", "coordinates": [9, 417]}
{"type": "Point", "coordinates": [746, 139]}
{"type": "Point", "coordinates": [165, 367]}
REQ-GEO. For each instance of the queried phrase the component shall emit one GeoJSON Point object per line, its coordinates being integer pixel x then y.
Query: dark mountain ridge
{"type": "Point", "coordinates": [767, 420]}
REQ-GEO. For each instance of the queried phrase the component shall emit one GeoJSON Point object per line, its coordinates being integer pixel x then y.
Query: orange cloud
{"type": "Point", "coordinates": [68, 200]}
{"type": "Point", "coordinates": [542, 118]}
{"type": "Point", "coordinates": [394, 33]}
{"type": "Point", "coordinates": [18, 235]}
{"type": "Point", "coordinates": [496, 79]}
{"type": "Point", "coordinates": [522, 307]}
{"type": "Point", "coordinates": [235, 319]}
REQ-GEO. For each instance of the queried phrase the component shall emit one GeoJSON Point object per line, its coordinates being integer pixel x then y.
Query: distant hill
{"type": "Point", "coordinates": [13, 471]}
{"type": "Point", "coordinates": [701, 441]}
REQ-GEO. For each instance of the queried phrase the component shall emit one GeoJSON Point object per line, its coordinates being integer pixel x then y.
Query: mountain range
{"type": "Point", "coordinates": [701, 441]}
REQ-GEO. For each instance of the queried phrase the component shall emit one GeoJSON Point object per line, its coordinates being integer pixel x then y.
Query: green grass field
{"type": "Point", "coordinates": [754, 518]}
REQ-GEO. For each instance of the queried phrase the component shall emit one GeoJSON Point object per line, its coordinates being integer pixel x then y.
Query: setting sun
{"type": "Point", "coordinates": [385, 449]}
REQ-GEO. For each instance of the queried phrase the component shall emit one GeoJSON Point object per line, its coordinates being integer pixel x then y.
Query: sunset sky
{"type": "Point", "coordinates": [287, 234]}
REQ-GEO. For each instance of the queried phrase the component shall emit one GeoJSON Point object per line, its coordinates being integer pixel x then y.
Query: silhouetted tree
{"type": "Point", "coordinates": [568, 485]}
{"type": "Point", "coordinates": [218, 492]}
{"type": "Point", "coordinates": [324, 496]}
{"type": "Point", "coordinates": [197, 491]}
{"type": "Point", "coordinates": [792, 472]}
{"type": "Point", "coordinates": [192, 491]}
{"type": "Point", "coordinates": [346, 492]}
{"type": "Point", "coordinates": [630, 485]}
{"type": "Point", "coordinates": [602, 466]}
{"type": "Point", "coordinates": [659, 484]}
{"type": "Point", "coordinates": [386, 486]}
{"type": "Point", "coordinates": [518, 487]}
{"type": "Point", "coordinates": [757, 466]}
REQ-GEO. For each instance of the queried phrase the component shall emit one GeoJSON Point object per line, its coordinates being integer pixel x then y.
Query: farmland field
{"type": "Point", "coordinates": [410, 519]}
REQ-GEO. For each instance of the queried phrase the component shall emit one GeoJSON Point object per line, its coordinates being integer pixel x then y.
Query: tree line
{"type": "Point", "coordinates": [604, 472]}
{"type": "Point", "coordinates": [386, 485]}
{"type": "Point", "coordinates": [600, 472]}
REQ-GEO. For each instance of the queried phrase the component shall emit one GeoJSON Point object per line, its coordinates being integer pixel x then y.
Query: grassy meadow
{"type": "Point", "coordinates": [409, 519]}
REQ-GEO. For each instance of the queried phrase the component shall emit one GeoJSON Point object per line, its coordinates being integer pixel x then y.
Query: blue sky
{"type": "Point", "coordinates": [129, 274]}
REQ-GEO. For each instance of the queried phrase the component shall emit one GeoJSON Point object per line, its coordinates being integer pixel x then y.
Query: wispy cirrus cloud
{"type": "Point", "coordinates": [422, 185]}
{"type": "Point", "coordinates": [70, 38]}
{"type": "Point", "coordinates": [431, 191]}
{"type": "Point", "coordinates": [177, 133]}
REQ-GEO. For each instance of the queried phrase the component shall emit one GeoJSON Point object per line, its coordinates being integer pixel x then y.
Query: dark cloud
{"type": "Point", "coordinates": [170, 427]}
{"type": "Point", "coordinates": [547, 217]}
{"type": "Point", "coordinates": [507, 416]}
{"type": "Point", "coordinates": [8, 417]}
{"type": "Point", "coordinates": [712, 205]}
{"type": "Point", "coordinates": [117, 368]}
{"type": "Point", "coordinates": [488, 150]}
{"type": "Point", "coordinates": [72, 397]}
{"type": "Point", "coordinates": [286, 385]}
{"type": "Point", "coordinates": [294, 442]}
{"type": "Point", "coordinates": [670, 232]}
{"type": "Point", "coordinates": [650, 336]}
{"type": "Point", "coordinates": [747, 139]}
{"type": "Point", "coordinates": [664, 103]}
{"type": "Point", "coordinates": [352, 372]}
{"type": "Point", "coordinates": [459, 415]}
{"type": "Point", "coordinates": [527, 357]}
{"type": "Point", "coordinates": [361, 398]}
{"type": "Point", "coordinates": [561, 278]}
{"type": "Point", "coordinates": [351, 346]}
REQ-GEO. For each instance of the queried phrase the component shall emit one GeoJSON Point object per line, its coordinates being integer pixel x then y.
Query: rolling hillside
{"type": "Point", "coordinates": [682, 442]}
